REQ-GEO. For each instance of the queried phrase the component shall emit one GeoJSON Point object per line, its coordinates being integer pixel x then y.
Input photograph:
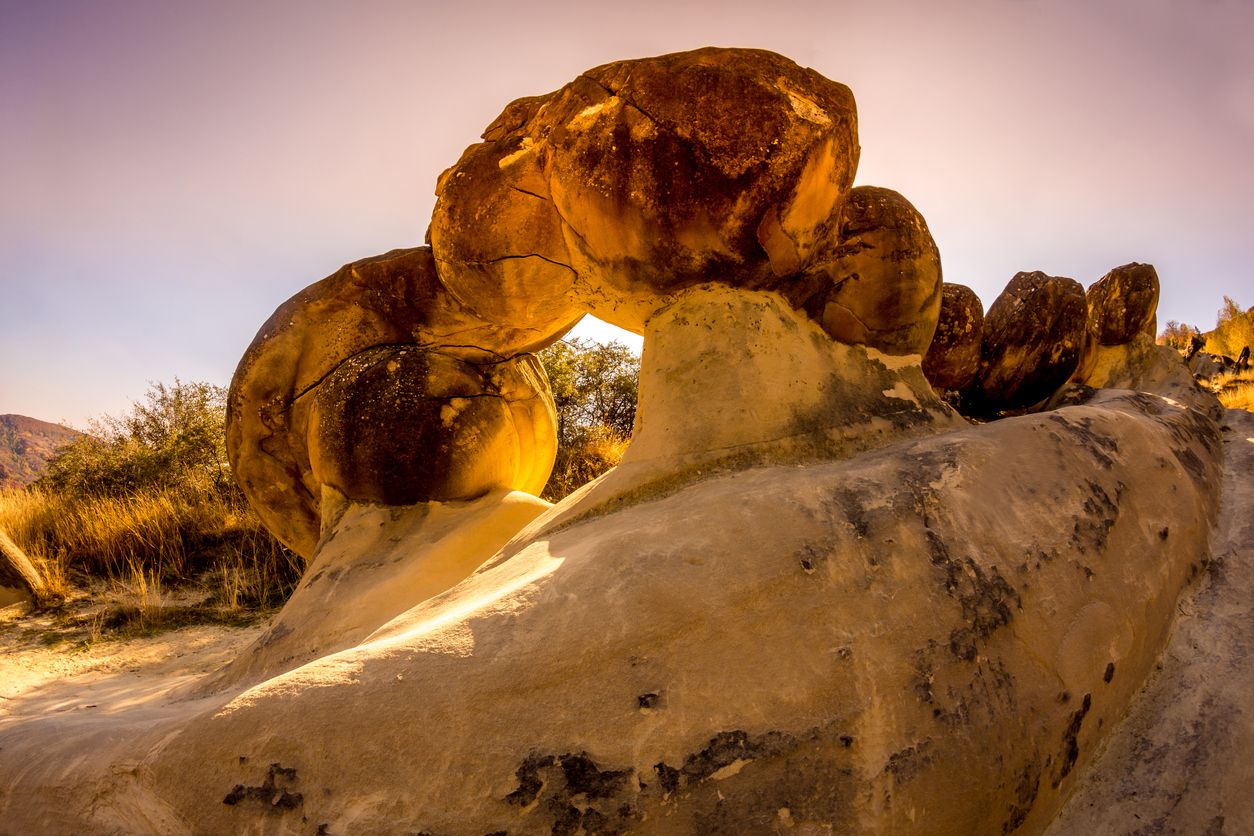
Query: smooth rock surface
{"type": "Point", "coordinates": [953, 357]}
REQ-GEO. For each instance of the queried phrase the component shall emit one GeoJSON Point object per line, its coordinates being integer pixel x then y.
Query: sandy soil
{"type": "Point", "coordinates": [59, 661]}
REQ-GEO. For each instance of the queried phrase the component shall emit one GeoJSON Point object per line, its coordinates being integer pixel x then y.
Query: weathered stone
{"type": "Point", "coordinates": [880, 281]}
{"type": "Point", "coordinates": [954, 355]}
{"type": "Point", "coordinates": [641, 178]}
{"type": "Point", "coordinates": [394, 299]}
{"type": "Point", "coordinates": [1123, 303]}
{"type": "Point", "coordinates": [1033, 335]}
{"type": "Point", "coordinates": [401, 424]}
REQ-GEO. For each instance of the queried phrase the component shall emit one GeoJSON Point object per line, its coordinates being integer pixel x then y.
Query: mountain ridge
{"type": "Point", "coordinates": [26, 445]}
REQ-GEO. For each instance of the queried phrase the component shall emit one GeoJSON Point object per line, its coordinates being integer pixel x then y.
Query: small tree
{"type": "Point", "coordinates": [1177, 335]}
{"type": "Point", "coordinates": [594, 391]}
{"type": "Point", "coordinates": [174, 438]}
{"type": "Point", "coordinates": [1233, 331]}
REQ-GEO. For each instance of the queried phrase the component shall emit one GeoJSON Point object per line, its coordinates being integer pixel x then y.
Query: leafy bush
{"type": "Point", "coordinates": [151, 493]}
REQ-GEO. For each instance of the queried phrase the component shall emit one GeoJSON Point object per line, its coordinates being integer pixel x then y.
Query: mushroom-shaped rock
{"type": "Point", "coordinates": [954, 355]}
{"type": "Point", "coordinates": [1123, 303]}
{"type": "Point", "coordinates": [879, 283]}
{"type": "Point", "coordinates": [1033, 335]}
{"type": "Point", "coordinates": [394, 299]}
{"type": "Point", "coordinates": [644, 177]}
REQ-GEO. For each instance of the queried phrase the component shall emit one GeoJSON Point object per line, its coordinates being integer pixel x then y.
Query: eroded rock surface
{"type": "Point", "coordinates": [1033, 336]}
{"type": "Point", "coordinates": [643, 177]}
{"type": "Point", "coordinates": [953, 357]}
{"type": "Point", "coordinates": [371, 332]}
{"type": "Point", "coordinates": [1122, 304]}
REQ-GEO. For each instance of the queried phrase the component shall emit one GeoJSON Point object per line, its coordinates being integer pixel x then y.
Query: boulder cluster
{"type": "Point", "coordinates": [1040, 334]}
{"type": "Point", "coordinates": [408, 377]}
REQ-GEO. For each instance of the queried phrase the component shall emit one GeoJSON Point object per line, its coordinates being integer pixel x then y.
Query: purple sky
{"type": "Point", "coordinates": [171, 172]}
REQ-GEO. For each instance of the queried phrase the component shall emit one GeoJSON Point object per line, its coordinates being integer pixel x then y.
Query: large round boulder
{"type": "Point", "coordinates": [643, 177]}
{"type": "Point", "coordinates": [1123, 303]}
{"type": "Point", "coordinates": [879, 282]}
{"type": "Point", "coordinates": [1033, 337]}
{"type": "Point", "coordinates": [954, 355]}
{"type": "Point", "coordinates": [323, 334]}
{"type": "Point", "coordinates": [402, 424]}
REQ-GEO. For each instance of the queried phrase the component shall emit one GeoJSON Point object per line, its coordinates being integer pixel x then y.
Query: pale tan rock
{"type": "Point", "coordinates": [953, 357]}
{"type": "Point", "coordinates": [881, 279]}
{"type": "Point", "coordinates": [936, 629]}
{"type": "Point", "coordinates": [1179, 762]}
{"type": "Point", "coordinates": [391, 300]}
{"type": "Point", "coordinates": [641, 178]}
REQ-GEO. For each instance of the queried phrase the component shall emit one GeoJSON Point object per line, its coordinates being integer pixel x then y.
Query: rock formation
{"type": "Point", "coordinates": [811, 596]}
{"type": "Point", "coordinates": [19, 579]}
{"type": "Point", "coordinates": [1032, 339]}
{"type": "Point", "coordinates": [954, 355]}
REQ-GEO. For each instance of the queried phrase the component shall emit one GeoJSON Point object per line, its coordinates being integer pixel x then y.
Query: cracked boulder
{"type": "Point", "coordinates": [879, 283]}
{"type": "Point", "coordinates": [954, 354]}
{"type": "Point", "coordinates": [641, 178]}
{"type": "Point", "coordinates": [1033, 338]}
{"type": "Point", "coordinates": [278, 423]}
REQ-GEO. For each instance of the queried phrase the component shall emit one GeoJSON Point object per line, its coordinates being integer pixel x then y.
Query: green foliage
{"type": "Point", "coordinates": [174, 438]}
{"type": "Point", "coordinates": [594, 390]}
{"type": "Point", "coordinates": [1233, 331]}
{"type": "Point", "coordinates": [594, 386]}
{"type": "Point", "coordinates": [151, 494]}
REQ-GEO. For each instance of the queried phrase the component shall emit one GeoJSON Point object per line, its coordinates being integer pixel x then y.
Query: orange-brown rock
{"type": "Point", "coordinates": [954, 355]}
{"type": "Point", "coordinates": [1123, 303]}
{"type": "Point", "coordinates": [644, 177]}
{"type": "Point", "coordinates": [401, 424]}
{"type": "Point", "coordinates": [1033, 336]}
{"type": "Point", "coordinates": [394, 299]}
{"type": "Point", "coordinates": [879, 284]}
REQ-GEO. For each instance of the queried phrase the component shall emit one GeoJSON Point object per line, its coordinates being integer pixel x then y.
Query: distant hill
{"type": "Point", "coordinates": [25, 447]}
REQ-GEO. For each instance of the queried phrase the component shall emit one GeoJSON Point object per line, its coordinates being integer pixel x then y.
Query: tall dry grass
{"type": "Point", "coordinates": [1235, 391]}
{"type": "Point", "coordinates": [164, 536]}
{"type": "Point", "coordinates": [597, 451]}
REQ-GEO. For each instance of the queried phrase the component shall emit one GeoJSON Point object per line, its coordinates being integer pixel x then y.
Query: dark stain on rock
{"type": "Point", "coordinates": [1110, 673]}
{"type": "Point", "coordinates": [1100, 445]}
{"type": "Point", "coordinates": [905, 764]}
{"type": "Point", "coordinates": [1070, 740]}
{"type": "Point", "coordinates": [269, 794]}
{"type": "Point", "coordinates": [1100, 511]}
{"type": "Point", "coordinates": [576, 794]}
{"type": "Point", "coordinates": [723, 750]}
{"type": "Point", "coordinates": [1027, 786]}
{"type": "Point", "coordinates": [649, 700]}
{"type": "Point", "coordinates": [985, 597]}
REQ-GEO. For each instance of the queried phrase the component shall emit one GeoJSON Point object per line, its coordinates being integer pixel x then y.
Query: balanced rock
{"type": "Point", "coordinates": [1033, 336]}
{"type": "Point", "coordinates": [394, 300]}
{"type": "Point", "coordinates": [1123, 303]}
{"type": "Point", "coordinates": [643, 177]}
{"type": "Point", "coordinates": [880, 281]}
{"type": "Point", "coordinates": [954, 355]}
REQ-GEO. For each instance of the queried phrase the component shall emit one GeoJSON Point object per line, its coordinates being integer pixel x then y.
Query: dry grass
{"type": "Point", "coordinates": [1235, 391]}
{"type": "Point", "coordinates": [580, 463]}
{"type": "Point", "coordinates": [134, 550]}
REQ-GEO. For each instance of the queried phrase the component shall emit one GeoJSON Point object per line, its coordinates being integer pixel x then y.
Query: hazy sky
{"type": "Point", "coordinates": [172, 171]}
